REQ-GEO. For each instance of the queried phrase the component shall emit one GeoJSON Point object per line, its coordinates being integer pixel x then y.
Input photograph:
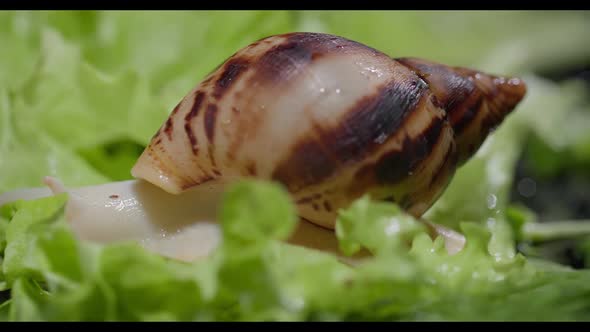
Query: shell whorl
{"type": "Point", "coordinates": [331, 119]}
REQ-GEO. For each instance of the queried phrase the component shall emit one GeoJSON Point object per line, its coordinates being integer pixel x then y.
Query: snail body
{"type": "Point", "coordinates": [330, 119]}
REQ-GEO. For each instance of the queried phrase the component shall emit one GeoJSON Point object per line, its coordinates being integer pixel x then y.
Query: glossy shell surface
{"type": "Point", "coordinates": [331, 119]}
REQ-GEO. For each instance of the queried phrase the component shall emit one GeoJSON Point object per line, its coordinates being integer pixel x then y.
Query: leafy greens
{"type": "Point", "coordinates": [82, 92]}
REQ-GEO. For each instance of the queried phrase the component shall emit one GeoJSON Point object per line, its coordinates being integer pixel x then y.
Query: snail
{"type": "Point", "coordinates": [331, 119]}
{"type": "Point", "coordinates": [328, 118]}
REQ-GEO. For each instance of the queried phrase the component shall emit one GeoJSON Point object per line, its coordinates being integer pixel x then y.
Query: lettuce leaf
{"type": "Point", "coordinates": [548, 154]}
{"type": "Point", "coordinates": [255, 276]}
{"type": "Point", "coordinates": [29, 154]}
{"type": "Point", "coordinates": [73, 84]}
{"type": "Point", "coordinates": [103, 107]}
{"type": "Point", "coordinates": [20, 30]}
{"type": "Point", "coordinates": [508, 42]}
{"type": "Point", "coordinates": [82, 92]}
{"type": "Point", "coordinates": [171, 50]}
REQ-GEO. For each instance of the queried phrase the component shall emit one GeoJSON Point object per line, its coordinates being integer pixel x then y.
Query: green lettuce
{"type": "Point", "coordinates": [508, 42]}
{"type": "Point", "coordinates": [29, 153]}
{"type": "Point", "coordinates": [91, 82]}
{"type": "Point", "coordinates": [256, 276]}
{"type": "Point", "coordinates": [18, 62]}
{"type": "Point", "coordinates": [81, 93]}
{"type": "Point", "coordinates": [171, 50]}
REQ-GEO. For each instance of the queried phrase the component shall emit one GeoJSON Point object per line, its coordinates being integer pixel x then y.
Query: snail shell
{"type": "Point", "coordinates": [330, 119]}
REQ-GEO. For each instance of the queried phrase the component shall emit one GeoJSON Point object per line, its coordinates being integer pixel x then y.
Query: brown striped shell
{"type": "Point", "coordinates": [331, 119]}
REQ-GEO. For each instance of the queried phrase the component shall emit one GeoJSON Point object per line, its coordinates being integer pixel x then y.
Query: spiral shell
{"type": "Point", "coordinates": [331, 119]}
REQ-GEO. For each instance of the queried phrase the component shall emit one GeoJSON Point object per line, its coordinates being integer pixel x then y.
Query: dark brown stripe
{"type": "Point", "coordinates": [191, 138]}
{"type": "Point", "coordinates": [467, 116]}
{"type": "Point", "coordinates": [231, 71]}
{"type": "Point", "coordinates": [306, 164]}
{"type": "Point", "coordinates": [283, 62]}
{"type": "Point", "coordinates": [395, 166]}
{"type": "Point", "coordinates": [315, 206]}
{"type": "Point", "coordinates": [367, 125]}
{"type": "Point", "coordinates": [210, 116]}
{"type": "Point", "coordinates": [375, 119]}
{"type": "Point", "coordinates": [502, 100]}
{"type": "Point", "coordinates": [323, 43]}
{"type": "Point", "coordinates": [449, 161]}
{"type": "Point", "coordinates": [466, 91]}
{"type": "Point", "coordinates": [280, 64]}
{"type": "Point", "coordinates": [439, 180]}
{"type": "Point", "coordinates": [449, 86]}
{"type": "Point", "coordinates": [327, 206]}
{"type": "Point", "coordinates": [209, 122]}
{"type": "Point", "coordinates": [168, 126]}
{"type": "Point", "coordinates": [188, 120]}
{"type": "Point", "coordinates": [211, 74]}
{"type": "Point", "coordinates": [290, 58]}
{"type": "Point", "coordinates": [196, 106]}
{"type": "Point", "coordinates": [251, 168]}
{"type": "Point", "coordinates": [308, 198]}
{"type": "Point", "coordinates": [189, 185]}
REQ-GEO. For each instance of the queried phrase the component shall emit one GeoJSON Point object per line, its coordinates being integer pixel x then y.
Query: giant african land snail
{"type": "Point", "coordinates": [328, 118]}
